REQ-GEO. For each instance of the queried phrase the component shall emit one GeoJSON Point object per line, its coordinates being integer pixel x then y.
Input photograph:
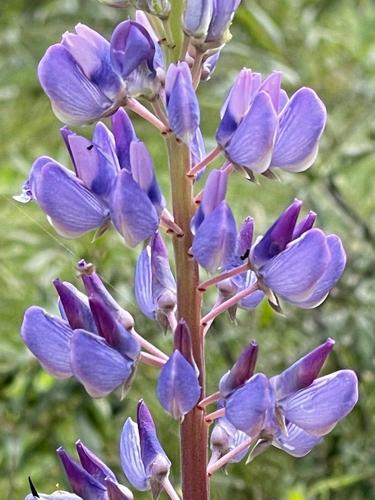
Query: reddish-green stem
{"type": "Point", "coordinates": [193, 428]}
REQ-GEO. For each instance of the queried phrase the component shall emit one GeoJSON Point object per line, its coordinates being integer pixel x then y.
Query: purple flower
{"type": "Point", "coordinates": [261, 128]}
{"type": "Point", "coordinates": [132, 56]}
{"type": "Point", "coordinates": [295, 409]}
{"type": "Point", "coordinates": [77, 76]}
{"type": "Point", "coordinates": [182, 103]}
{"type": "Point", "coordinates": [155, 286]}
{"type": "Point", "coordinates": [297, 262]}
{"type": "Point", "coordinates": [178, 388]}
{"type": "Point", "coordinates": [241, 371]}
{"type": "Point", "coordinates": [214, 225]}
{"type": "Point", "coordinates": [89, 342]}
{"type": "Point", "coordinates": [91, 479]}
{"type": "Point", "coordinates": [143, 460]}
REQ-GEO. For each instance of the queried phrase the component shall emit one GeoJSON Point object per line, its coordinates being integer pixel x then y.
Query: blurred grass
{"type": "Point", "coordinates": [328, 45]}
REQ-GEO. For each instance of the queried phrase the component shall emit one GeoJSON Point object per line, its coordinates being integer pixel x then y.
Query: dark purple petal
{"type": "Point", "coordinates": [133, 214]}
{"type": "Point", "coordinates": [241, 371]}
{"type": "Point", "coordinates": [301, 125]}
{"type": "Point", "coordinates": [251, 144]}
{"type": "Point", "coordinates": [277, 236]}
{"type": "Point", "coordinates": [130, 456]}
{"type": "Point", "coordinates": [75, 99]}
{"type": "Point", "coordinates": [182, 103]}
{"type": "Point", "coordinates": [319, 407]}
{"type": "Point", "coordinates": [154, 459]}
{"type": "Point", "coordinates": [75, 306]}
{"type": "Point", "coordinates": [48, 338]}
{"type": "Point", "coordinates": [305, 224]}
{"type": "Point", "coordinates": [178, 389]}
{"type": "Point", "coordinates": [99, 367]}
{"type": "Point", "coordinates": [197, 149]}
{"type": "Point", "coordinates": [303, 372]}
{"type": "Point", "coordinates": [124, 133]}
{"type": "Point", "coordinates": [142, 169]}
{"type": "Point", "coordinates": [131, 45]}
{"type": "Point", "coordinates": [73, 209]}
{"type": "Point", "coordinates": [245, 238]}
{"type": "Point", "coordinates": [143, 284]}
{"type": "Point", "coordinates": [182, 341]}
{"type": "Point", "coordinates": [112, 331]}
{"type": "Point", "coordinates": [297, 442]}
{"type": "Point", "coordinates": [117, 491]}
{"type": "Point", "coordinates": [332, 274]}
{"type": "Point", "coordinates": [82, 483]}
{"type": "Point", "coordinates": [246, 408]}
{"type": "Point", "coordinates": [95, 288]}
{"type": "Point", "coordinates": [93, 465]}
{"type": "Point", "coordinates": [293, 273]}
{"type": "Point", "coordinates": [215, 240]}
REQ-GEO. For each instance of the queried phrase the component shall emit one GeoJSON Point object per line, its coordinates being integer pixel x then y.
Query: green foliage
{"type": "Point", "coordinates": [328, 45]}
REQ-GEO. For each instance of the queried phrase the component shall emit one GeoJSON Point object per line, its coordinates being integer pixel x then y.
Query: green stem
{"type": "Point", "coordinates": [193, 429]}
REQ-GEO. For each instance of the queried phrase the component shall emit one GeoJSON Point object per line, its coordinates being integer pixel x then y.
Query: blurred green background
{"type": "Point", "coordinates": [325, 44]}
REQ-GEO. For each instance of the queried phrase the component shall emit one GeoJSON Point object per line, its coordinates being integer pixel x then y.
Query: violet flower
{"type": "Point", "coordinates": [114, 181]}
{"type": "Point", "coordinates": [132, 54]}
{"type": "Point", "coordinates": [262, 129]}
{"type": "Point", "coordinates": [214, 225]}
{"type": "Point", "coordinates": [91, 479]}
{"type": "Point", "coordinates": [155, 286]}
{"type": "Point", "coordinates": [293, 410]}
{"type": "Point", "coordinates": [178, 388]}
{"type": "Point", "coordinates": [296, 262]}
{"type": "Point", "coordinates": [90, 88]}
{"type": "Point", "coordinates": [89, 342]}
{"type": "Point", "coordinates": [143, 460]}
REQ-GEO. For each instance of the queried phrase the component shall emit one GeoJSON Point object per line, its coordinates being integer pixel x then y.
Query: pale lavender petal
{"type": "Point", "coordinates": [143, 172]}
{"type": "Point", "coordinates": [133, 214]}
{"type": "Point", "coordinates": [130, 456]}
{"type": "Point", "coordinates": [283, 100]}
{"type": "Point", "coordinates": [222, 16]}
{"type": "Point", "coordinates": [225, 437]}
{"type": "Point", "coordinates": [215, 240]}
{"type": "Point", "coordinates": [303, 372]}
{"type": "Point", "coordinates": [182, 103]}
{"type": "Point", "coordinates": [252, 301]}
{"type": "Point", "coordinates": [143, 284]}
{"type": "Point", "coordinates": [48, 338]}
{"type": "Point", "coordinates": [332, 274]}
{"type": "Point", "coordinates": [271, 85]}
{"type": "Point", "coordinates": [293, 273]}
{"type": "Point", "coordinates": [236, 106]}
{"type": "Point", "coordinates": [245, 238]}
{"type": "Point", "coordinates": [297, 442]}
{"type": "Point", "coordinates": [251, 144]}
{"type": "Point", "coordinates": [57, 495]}
{"type": "Point", "coordinates": [96, 365]}
{"type": "Point", "coordinates": [301, 125]}
{"type": "Point", "coordinates": [92, 464]}
{"type": "Point", "coordinates": [277, 236]}
{"type": "Point", "coordinates": [178, 389]}
{"type": "Point", "coordinates": [124, 133]}
{"type": "Point", "coordinates": [75, 99]}
{"type": "Point", "coordinates": [197, 149]}
{"type": "Point", "coordinates": [319, 407]}
{"type": "Point", "coordinates": [197, 17]}
{"type": "Point", "coordinates": [73, 209]}
{"type": "Point", "coordinates": [246, 408]}
{"type": "Point", "coordinates": [82, 483]}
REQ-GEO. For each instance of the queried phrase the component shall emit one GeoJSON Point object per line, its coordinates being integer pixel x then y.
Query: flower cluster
{"type": "Point", "coordinates": [260, 129]}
